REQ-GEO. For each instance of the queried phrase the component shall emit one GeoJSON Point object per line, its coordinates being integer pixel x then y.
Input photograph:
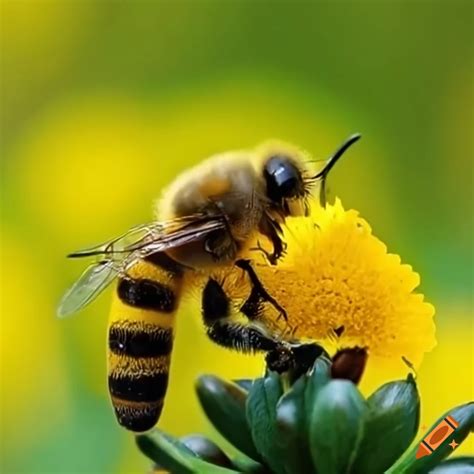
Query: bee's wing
{"type": "Point", "coordinates": [118, 244]}
{"type": "Point", "coordinates": [161, 233]}
{"type": "Point", "coordinates": [121, 253]}
{"type": "Point", "coordinates": [95, 279]}
{"type": "Point", "coordinates": [178, 232]}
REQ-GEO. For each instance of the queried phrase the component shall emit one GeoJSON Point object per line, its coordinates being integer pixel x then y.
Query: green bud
{"type": "Point", "coordinates": [317, 379]}
{"type": "Point", "coordinates": [390, 427]}
{"type": "Point", "coordinates": [292, 429]}
{"type": "Point", "coordinates": [224, 405]}
{"type": "Point", "coordinates": [336, 427]}
{"type": "Point", "coordinates": [261, 414]}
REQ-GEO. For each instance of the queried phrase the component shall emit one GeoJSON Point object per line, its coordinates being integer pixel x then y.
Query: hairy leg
{"type": "Point", "coordinates": [249, 337]}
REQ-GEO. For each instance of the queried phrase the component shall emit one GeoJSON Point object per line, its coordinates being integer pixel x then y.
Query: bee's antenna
{"type": "Point", "coordinates": [334, 158]}
{"type": "Point", "coordinates": [322, 175]}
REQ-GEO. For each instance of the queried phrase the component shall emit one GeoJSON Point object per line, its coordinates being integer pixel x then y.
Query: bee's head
{"type": "Point", "coordinates": [285, 185]}
{"type": "Point", "coordinates": [289, 183]}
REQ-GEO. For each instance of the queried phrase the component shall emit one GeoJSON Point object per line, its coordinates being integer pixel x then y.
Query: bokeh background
{"type": "Point", "coordinates": [104, 102]}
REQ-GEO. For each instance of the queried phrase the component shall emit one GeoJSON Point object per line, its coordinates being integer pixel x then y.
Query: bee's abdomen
{"type": "Point", "coordinates": [140, 342]}
{"type": "Point", "coordinates": [139, 356]}
{"type": "Point", "coordinates": [139, 339]}
{"type": "Point", "coordinates": [146, 294]}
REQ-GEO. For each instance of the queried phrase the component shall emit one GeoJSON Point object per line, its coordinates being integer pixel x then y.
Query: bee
{"type": "Point", "coordinates": [207, 219]}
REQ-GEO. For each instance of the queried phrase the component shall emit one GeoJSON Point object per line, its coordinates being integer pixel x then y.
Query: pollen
{"type": "Point", "coordinates": [341, 287]}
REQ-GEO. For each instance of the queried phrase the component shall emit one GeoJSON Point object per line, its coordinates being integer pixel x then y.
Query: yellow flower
{"type": "Point", "coordinates": [338, 275]}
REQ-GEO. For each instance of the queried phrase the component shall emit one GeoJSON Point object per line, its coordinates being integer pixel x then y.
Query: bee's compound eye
{"type": "Point", "coordinates": [283, 178]}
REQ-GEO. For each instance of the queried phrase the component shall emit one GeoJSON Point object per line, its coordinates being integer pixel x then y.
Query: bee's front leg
{"type": "Point", "coordinates": [272, 230]}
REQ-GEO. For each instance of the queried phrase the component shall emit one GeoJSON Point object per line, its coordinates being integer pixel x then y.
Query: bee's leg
{"type": "Point", "coordinates": [281, 356]}
{"type": "Point", "coordinates": [271, 229]}
{"type": "Point", "coordinates": [297, 358]}
{"type": "Point", "coordinates": [257, 287]}
{"type": "Point", "coordinates": [224, 330]}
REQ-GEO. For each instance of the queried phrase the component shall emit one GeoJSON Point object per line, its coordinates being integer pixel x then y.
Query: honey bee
{"type": "Point", "coordinates": [206, 219]}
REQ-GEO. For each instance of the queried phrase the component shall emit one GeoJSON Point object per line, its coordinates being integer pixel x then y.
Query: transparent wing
{"type": "Point", "coordinates": [119, 244]}
{"type": "Point", "coordinates": [179, 236]}
{"type": "Point", "coordinates": [121, 253]}
{"type": "Point", "coordinates": [95, 279]}
{"type": "Point", "coordinates": [164, 233]}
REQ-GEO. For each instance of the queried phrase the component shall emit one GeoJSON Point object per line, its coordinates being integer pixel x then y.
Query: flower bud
{"type": "Point", "coordinates": [391, 425]}
{"type": "Point", "coordinates": [224, 405]}
{"type": "Point", "coordinates": [349, 364]}
{"type": "Point", "coordinates": [336, 426]}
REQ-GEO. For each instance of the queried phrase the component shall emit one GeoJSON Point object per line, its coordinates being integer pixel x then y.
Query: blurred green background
{"type": "Point", "coordinates": [104, 102]}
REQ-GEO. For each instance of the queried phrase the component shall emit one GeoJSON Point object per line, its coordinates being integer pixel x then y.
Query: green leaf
{"type": "Point", "coordinates": [261, 414]}
{"type": "Point", "coordinates": [336, 426]}
{"type": "Point", "coordinates": [408, 464]}
{"type": "Point", "coordinates": [317, 379]}
{"type": "Point", "coordinates": [244, 464]}
{"type": "Point", "coordinates": [206, 450]}
{"type": "Point", "coordinates": [464, 465]}
{"type": "Point", "coordinates": [292, 430]}
{"type": "Point", "coordinates": [169, 453]}
{"type": "Point", "coordinates": [224, 405]}
{"type": "Point", "coordinates": [244, 384]}
{"type": "Point", "coordinates": [390, 427]}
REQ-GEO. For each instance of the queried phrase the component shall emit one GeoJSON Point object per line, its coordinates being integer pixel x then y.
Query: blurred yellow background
{"type": "Point", "coordinates": [104, 102]}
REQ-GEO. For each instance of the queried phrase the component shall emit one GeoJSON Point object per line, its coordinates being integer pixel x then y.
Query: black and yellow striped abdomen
{"type": "Point", "coordinates": [141, 339]}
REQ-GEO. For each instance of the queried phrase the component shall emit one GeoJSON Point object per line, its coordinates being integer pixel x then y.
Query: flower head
{"type": "Point", "coordinates": [341, 287]}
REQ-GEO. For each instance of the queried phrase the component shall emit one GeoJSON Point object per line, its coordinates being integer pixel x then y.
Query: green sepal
{"type": "Point", "coordinates": [317, 379]}
{"type": "Point", "coordinates": [261, 414]}
{"type": "Point", "coordinates": [224, 405]}
{"type": "Point", "coordinates": [292, 429]}
{"type": "Point", "coordinates": [408, 464]}
{"type": "Point", "coordinates": [391, 425]}
{"type": "Point", "coordinates": [336, 427]}
{"type": "Point", "coordinates": [462, 464]}
{"type": "Point", "coordinates": [172, 455]}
